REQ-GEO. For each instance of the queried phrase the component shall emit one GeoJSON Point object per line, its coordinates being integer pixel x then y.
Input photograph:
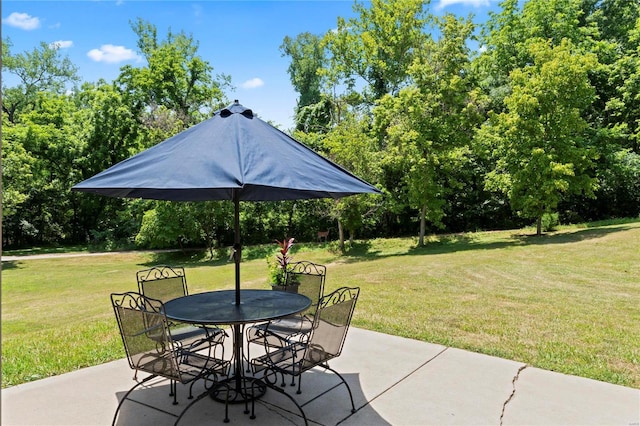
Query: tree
{"type": "Point", "coordinates": [349, 145]}
{"type": "Point", "coordinates": [175, 78]}
{"type": "Point", "coordinates": [506, 35]}
{"type": "Point", "coordinates": [17, 174]}
{"type": "Point", "coordinates": [604, 28]}
{"type": "Point", "coordinates": [43, 69]}
{"type": "Point", "coordinates": [167, 224]}
{"type": "Point", "coordinates": [318, 117]}
{"type": "Point", "coordinates": [430, 124]}
{"type": "Point", "coordinates": [541, 141]}
{"type": "Point", "coordinates": [616, 20]}
{"type": "Point", "coordinates": [379, 45]}
{"type": "Point", "coordinates": [307, 58]}
{"type": "Point", "coordinates": [45, 147]}
{"type": "Point", "coordinates": [185, 223]}
{"type": "Point", "coordinates": [623, 105]}
{"type": "Point", "coordinates": [110, 132]}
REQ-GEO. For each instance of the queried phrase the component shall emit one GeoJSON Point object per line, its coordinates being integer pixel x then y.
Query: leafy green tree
{"type": "Point", "coordinates": [318, 117]}
{"type": "Point", "coordinates": [111, 129]}
{"type": "Point", "coordinates": [541, 141]}
{"type": "Point", "coordinates": [379, 45]}
{"type": "Point", "coordinates": [350, 145]}
{"type": "Point", "coordinates": [43, 69]}
{"type": "Point", "coordinates": [369, 57]}
{"type": "Point", "coordinates": [185, 223]}
{"type": "Point", "coordinates": [167, 224]}
{"type": "Point", "coordinates": [175, 78]}
{"type": "Point", "coordinates": [110, 133]}
{"type": "Point", "coordinates": [17, 175]}
{"type": "Point", "coordinates": [623, 106]}
{"type": "Point", "coordinates": [506, 35]}
{"type": "Point", "coordinates": [214, 220]}
{"type": "Point", "coordinates": [429, 125]}
{"type": "Point", "coordinates": [307, 58]}
{"type": "Point", "coordinates": [45, 147]}
{"type": "Point", "coordinates": [616, 20]}
{"type": "Point", "coordinates": [620, 187]}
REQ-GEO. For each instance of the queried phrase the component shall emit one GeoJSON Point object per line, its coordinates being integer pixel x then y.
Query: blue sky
{"type": "Point", "coordinates": [238, 38]}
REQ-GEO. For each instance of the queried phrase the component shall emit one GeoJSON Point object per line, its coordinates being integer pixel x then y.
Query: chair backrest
{"type": "Point", "coordinates": [332, 323]}
{"type": "Point", "coordinates": [162, 282]}
{"type": "Point", "coordinates": [145, 334]}
{"type": "Point", "coordinates": [310, 277]}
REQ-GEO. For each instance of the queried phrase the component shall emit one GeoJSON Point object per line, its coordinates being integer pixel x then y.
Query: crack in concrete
{"type": "Point", "coordinates": [513, 392]}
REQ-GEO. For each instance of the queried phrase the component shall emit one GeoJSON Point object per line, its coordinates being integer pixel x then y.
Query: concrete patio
{"type": "Point", "coordinates": [395, 381]}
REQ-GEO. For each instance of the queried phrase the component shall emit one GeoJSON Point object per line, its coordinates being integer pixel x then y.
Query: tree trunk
{"type": "Point", "coordinates": [341, 235]}
{"type": "Point", "coordinates": [539, 226]}
{"type": "Point", "coordinates": [11, 113]}
{"type": "Point", "coordinates": [210, 242]}
{"type": "Point", "coordinates": [423, 225]}
{"type": "Point", "coordinates": [352, 234]}
{"type": "Point", "coordinates": [290, 220]}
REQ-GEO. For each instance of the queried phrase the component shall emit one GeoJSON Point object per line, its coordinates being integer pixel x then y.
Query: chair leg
{"type": "Point", "coordinates": [191, 390]}
{"type": "Point", "coordinates": [174, 391]}
{"type": "Point", "coordinates": [280, 390]}
{"type": "Point", "coordinates": [353, 406]}
{"type": "Point", "coordinates": [299, 391]}
{"type": "Point", "coordinates": [248, 357]}
{"type": "Point", "coordinates": [293, 378]}
{"type": "Point", "coordinates": [171, 391]}
{"type": "Point", "coordinates": [198, 398]}
{"type": "Point", "coordinates": [244, 396]}
{"type": "Point", "coordinates": [253, 401]}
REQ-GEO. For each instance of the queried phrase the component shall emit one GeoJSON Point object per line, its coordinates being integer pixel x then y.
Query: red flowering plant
{"type": "Point", "coordinates": [278, 267]}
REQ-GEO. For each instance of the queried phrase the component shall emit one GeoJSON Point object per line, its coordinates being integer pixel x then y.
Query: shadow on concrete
{"type": "Point", "coordinates": [324, 401]}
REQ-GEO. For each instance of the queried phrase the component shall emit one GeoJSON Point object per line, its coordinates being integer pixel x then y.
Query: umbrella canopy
{"type": "Point", "coordinates": [232, 156]}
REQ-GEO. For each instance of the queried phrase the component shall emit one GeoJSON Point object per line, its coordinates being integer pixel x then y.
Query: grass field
{"type": "Point", "coordinates": [567, 301]}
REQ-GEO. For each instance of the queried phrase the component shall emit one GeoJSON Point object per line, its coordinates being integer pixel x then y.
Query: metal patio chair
{"type": "Point", "coordinates": [151, 348]}
{"type": "Point", "coordinates": [163, 282]}
{"type": "Point", "coordinates": [325, 342]}
{"type": "Point", "coordinates": [302, 277]}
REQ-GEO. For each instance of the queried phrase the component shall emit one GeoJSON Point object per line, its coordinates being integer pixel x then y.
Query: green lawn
{"type": "Point", "coordinates": [568, 301]}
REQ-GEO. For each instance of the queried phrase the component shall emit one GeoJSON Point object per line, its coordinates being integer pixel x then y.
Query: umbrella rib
{"type": "Point", "coordinates": [240, 135]}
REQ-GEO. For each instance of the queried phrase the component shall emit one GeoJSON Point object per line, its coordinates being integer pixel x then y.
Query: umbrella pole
{"type": "Point", "coordinates": [236, 246]}
{"type": "Point", "coordinates": [237, 331]}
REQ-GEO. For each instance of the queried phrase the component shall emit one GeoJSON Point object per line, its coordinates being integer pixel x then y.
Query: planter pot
{"type": "Point", "coordinates": [287, 288]}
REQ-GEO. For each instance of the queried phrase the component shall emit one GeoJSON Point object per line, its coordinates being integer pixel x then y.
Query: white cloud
{"type": "Point", "coordinates": [22, 20]}
{"type": "Point", "coordinates": [482, 48]}
{"type": "Point", "coordinates": [253, 83]}
{"type": "Point", "coordinates": [61, 44]}
{"type": "Point", "coordinates": [112, 54]}
{"type": "Point", "coordinates": [475, 3]}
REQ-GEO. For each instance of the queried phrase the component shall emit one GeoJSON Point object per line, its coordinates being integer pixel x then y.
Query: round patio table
{"type": "Point", "coordinates": [220, 308]}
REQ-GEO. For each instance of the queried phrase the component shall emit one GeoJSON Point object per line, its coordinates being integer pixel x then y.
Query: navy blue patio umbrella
{"type": "Point", "coordinates": [232, 156]}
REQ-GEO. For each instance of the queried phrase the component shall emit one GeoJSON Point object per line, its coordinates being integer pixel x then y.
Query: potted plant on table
{"type": "Point", "coordinates": [278, 266]}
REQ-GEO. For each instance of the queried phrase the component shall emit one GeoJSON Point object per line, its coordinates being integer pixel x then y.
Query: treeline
{"type": "Point", "coordinates": [534, 117]}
